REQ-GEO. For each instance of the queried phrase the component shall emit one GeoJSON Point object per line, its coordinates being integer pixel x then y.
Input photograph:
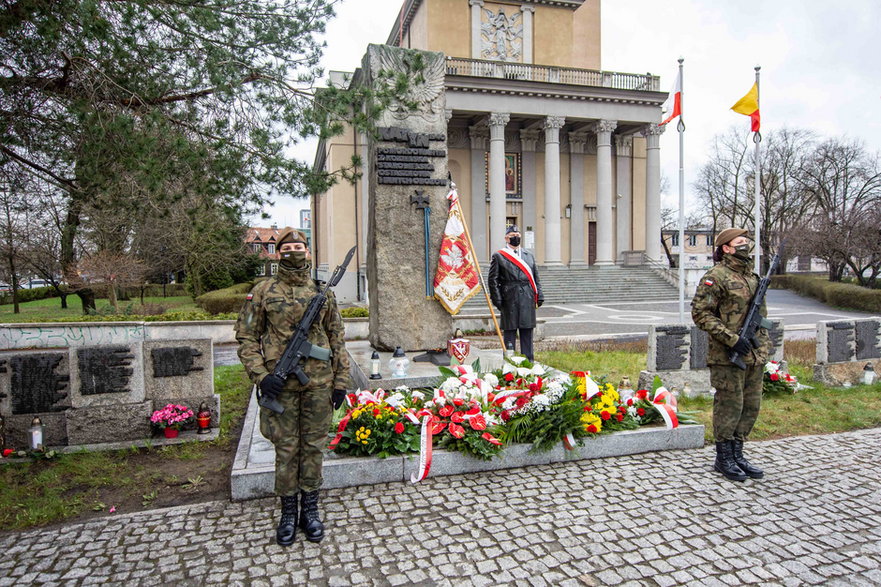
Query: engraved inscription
{"type": "Point", "coordinates": [839, 338]}
{"type": "Point", "coordinates": [700, 342]}
{"type": "Point", "coordinates": [104, 369]}
{"type": "Point", "coordinates": [671, 347]}
{"type": "Point", "coordinates": [36, 387]}
{"type": "Point", "coordinates": [409, 165]}
{"type": "Point", "coordinates": [868, 334]}
{"type": "Point", "coordinates": [174, 361]}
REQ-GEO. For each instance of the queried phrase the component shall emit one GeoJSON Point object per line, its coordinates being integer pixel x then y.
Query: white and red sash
{"type": "Point", "coordinates": [523, 267]}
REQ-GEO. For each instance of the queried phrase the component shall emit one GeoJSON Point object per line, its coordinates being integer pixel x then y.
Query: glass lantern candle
{"type": "Point", "coordinates": [868, 374]}
{"type": "Point", "coordinates": [374, 366]}
{"type": "Point", "coordinates": [399, 364]}
{"type": "Point", "coordinates": [36, 433]}
{"type": "Point", "coordinates": [203, 419]}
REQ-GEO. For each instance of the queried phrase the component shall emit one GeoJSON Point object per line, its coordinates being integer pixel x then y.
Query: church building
{"type": "Point", "coordinates": [538, 135]}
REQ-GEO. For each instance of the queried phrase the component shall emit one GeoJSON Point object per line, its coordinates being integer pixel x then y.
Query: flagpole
{"type": "Point", "coordinates": [681, 128]}
{"type": "Point", "coordinates": [757, 139]}
{"type": "Point", "coordinates": [480, 276]}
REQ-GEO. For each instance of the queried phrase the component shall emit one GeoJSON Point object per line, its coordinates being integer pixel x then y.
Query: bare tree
{"type": "Point", "coordinates": [106, 271]}
{"type": "Point", "coordinates": [14, 208]}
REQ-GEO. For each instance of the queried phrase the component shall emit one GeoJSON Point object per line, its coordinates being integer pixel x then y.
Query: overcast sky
{"type": "Point", "coordinates": [819, 63]}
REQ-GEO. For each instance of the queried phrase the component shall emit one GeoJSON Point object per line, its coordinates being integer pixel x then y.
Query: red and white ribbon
{"type": "Point", "coordinates": [665, 403]}
{"type": "Point", "coordinates": [569, 441]}
{"type": "Point", "coordinates": [339, 431]}
{"type": "Point", "coordinates": [424, 452]}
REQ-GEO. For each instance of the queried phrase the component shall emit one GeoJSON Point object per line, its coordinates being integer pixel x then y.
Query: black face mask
{"type": "Point", "coordinates": [514, 241]}
{"type": "Point", "coordinates": [293, 259]}
{"type": "Point", "coordinates": [744, 252]}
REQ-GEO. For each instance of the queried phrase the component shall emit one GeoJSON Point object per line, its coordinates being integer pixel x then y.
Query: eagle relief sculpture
{"type": "Point", "coordinates": [424, 74]}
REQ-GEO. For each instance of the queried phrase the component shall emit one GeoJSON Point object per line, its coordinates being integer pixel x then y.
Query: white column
{"type": "Point", "coordinates": [652, 134]}
{"type": "Point", "coordinates": [497, 213]}
{"type": "Point", "coordinates": [528, 11]}
{"type": "Point", "coordinates": [552, 126]}
{"type": "Point", "coordinates": [624, 161]}
{"type": "Point", "coordinates": [603, 130]}
{"type": "Point", "coordinates": [476, 6]}
{"type": "Point", "coordinates": [479, 136]}
{"type": "Point", "coordinates": [528, 142]}
{"type": "Point", "coordinates": [577, 142]}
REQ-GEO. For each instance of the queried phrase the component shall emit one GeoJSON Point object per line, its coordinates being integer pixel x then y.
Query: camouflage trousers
{"type": "Point", "coordinates": [737, 400]}
{"type": "Point", "coordinates": [299, 436]}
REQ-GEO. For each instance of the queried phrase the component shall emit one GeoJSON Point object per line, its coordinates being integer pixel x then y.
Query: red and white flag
{"type": "Point", "coordinates": [456, 279]}
{"type": "Point", "coordinates": [673, 106]}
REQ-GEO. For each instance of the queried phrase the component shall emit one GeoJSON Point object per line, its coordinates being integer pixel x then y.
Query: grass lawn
{"type": "Point", "coordinates": [50, 308]}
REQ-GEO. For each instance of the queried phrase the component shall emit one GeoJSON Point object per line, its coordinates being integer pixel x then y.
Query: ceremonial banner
{"type": "Point", "coordinates": [456, 279]}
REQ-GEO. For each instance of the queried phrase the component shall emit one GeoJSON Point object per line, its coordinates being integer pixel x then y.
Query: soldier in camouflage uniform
{"type": "Point", "coordinates": [719, 307]}
{"type": "Point", "coordinates": [268, 318]}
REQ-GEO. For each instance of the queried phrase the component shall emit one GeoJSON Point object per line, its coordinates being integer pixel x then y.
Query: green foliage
{"type": "Point", "coordinates": [354, 312]}
{"type": "Point", "coordinates": [169, 317]}
{"type": "Point", "coordinates": [841, 295]}
{"type": "Point", "coordinates": [29, 295]}
{"type": "Point", "coordinates": [221, 301]}
{"type": "Point", "coordinates": [372, 431]}
{"type": "Point", "coordinates": [473, 444]}
{"type": "Point", "coordinates": [545, 429]}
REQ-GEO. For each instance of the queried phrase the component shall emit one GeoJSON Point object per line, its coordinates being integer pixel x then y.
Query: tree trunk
{"type": "Point", "coordinates": [111, 297]}
{"type": "Point", "coordinates": [87, 297]}
{"type": "Point", "coordinates": [63, 297]}
{"type": "Point", "coordinates": [11, 264]}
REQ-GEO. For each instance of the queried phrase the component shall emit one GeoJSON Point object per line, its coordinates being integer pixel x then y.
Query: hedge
{"type": "Point", "coordinates": [841, 295]}
{"type": "Point", "coordinates": [354, 312]}
{"type": "Point", "coordinates": [29, 295]}
{"type": "Point", "coordinates": [226, 300]}
{"type": "Point", "coordinates": [169, 317]}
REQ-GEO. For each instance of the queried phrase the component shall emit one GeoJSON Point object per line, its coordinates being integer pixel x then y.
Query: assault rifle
{"type": "Point", "coordinates": [299, 348]}
{"type": "Point", "coordinates": [754, 319]}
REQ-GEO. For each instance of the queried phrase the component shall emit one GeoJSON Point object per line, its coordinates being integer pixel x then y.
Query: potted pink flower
{"type": "Point", "coordinates": [171, 418]}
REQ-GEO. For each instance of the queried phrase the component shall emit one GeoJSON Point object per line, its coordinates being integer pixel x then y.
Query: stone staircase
{"type": "Point", "coordinates": [593, 285]}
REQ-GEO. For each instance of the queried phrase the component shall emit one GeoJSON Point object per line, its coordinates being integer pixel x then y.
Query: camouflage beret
{"type": "Point", "coordinates": [289, 235]}
{"type": "Point", "coordinates": [728, 235]}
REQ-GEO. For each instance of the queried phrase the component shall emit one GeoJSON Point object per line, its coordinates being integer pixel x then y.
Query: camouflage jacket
{"type": "Point", "coordinates": [720, 305]}
{"type": "Point", "coordinates": [268, 318]}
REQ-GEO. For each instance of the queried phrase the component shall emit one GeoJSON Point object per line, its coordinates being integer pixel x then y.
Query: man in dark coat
{"type": "Point", "coordinates": [516, 291]}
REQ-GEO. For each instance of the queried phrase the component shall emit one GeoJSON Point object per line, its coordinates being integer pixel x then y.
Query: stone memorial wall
{"type": "Point", "coordinates": [407, 181]}
{"type": "Point", "coordinates": [677, 353]}
{"type": "Point", "coordinates": [844, 348]}
{"type": "Point", "coordinates": [89, 394]}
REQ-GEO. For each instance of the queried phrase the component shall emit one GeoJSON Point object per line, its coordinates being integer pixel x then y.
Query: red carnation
{"type": "Point", "coordinates": [521, 401]}
{"type": "Point", "coordinates": [629, 401]}
{"type": "Point", "coordinates": [642, 394]}
{"type": "Point", "coordinates": [620, 416]}
{"type": "Point", "coordinates": [592, 429]}
{"type": "Point", "coordinates": [457, 430]}
{"type": "Point", "coordinates": [491, 439]}
{"type": "Point", "coordinates": [605, 414]}
{"type": "Point", "coordinates": [376, 411]}
{"type": "Point", "coordinates": [535, 387]}
{"type": "Point", "coordinates": [775, 377]}
{"type": "Point", "coordinates": [506, 415]}
{"type": "Point", "coordinates": [588, 408]}
{"type": "Point", "coordinates": [399, 428]}
{"type": "Point", "coordinates": [478, 422]}
{"type": "Point", "coordinates": [509, 377]}
{"type": "Point", "coordinates": [640, 411]}
{"type": "Point", "coordinates": [446, 411]}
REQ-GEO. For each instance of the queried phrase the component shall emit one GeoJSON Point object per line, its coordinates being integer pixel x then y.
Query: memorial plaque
{"type": "Point", "coordinates": [839, 341]}
{"type": "Point", "coordinates": [700, 347]}
{"type": "Point", "coordinates": [671, 347]}
{"type": "Point", "coordinates": [174, 361]}
{"type": "Point", "coordinates": [36, 385]}
{"type": "Point", "coordinates": [104, 369]}
{"type": "Point", "coordinates": [868, 334]}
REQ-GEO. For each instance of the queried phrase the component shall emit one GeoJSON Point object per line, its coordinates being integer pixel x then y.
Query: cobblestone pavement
{"type": "Point", "coordinates": [653, 519]}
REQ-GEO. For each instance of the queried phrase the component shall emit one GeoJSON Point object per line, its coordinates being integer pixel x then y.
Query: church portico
{"type": "Point", "coordinates": [536, 135]}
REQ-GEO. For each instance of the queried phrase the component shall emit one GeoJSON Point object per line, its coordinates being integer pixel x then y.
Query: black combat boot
{"type": "Point", "coordinates": [751, 471]}
{"type": "Point", "coordinates": [725, 462]}
{"type": "Point", "coordinates": [287, 525]}
{"type": "Point", "coordinates": [309, 521]}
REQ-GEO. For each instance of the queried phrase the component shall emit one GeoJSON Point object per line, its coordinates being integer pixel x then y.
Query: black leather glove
{"type": "Point", "coordinates": [539, 303]}
{"type": "Point", "coordinates": [271, 386]}
{"type": "Point", "coordinates": [742, 346]}
{"type": "Point", "coordinates": [338, 397]}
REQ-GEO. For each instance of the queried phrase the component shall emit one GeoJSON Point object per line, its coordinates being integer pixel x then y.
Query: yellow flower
{"type": "Point", "coordinates": [363, 442]}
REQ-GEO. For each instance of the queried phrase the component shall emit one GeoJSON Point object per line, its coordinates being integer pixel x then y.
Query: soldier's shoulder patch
{"type": "Point", "coordinates": [708, 281]}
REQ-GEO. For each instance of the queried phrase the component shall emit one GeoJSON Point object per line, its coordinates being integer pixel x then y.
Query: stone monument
{"type": "Point", "coordinates": [408, 184]}
{"type": "Point", "coordinates": [844, 348]}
